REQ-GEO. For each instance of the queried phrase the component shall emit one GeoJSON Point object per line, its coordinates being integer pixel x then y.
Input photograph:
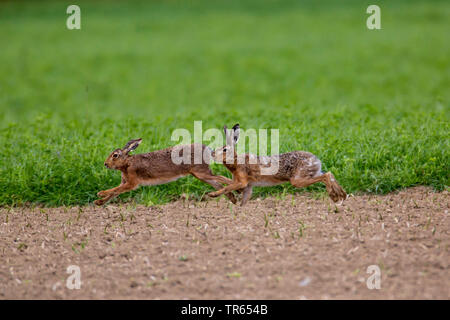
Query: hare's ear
{"type": "Point", "coordinates": [131, 145]}
{"type": "Point", "coordinates": [236, 130]}
{"type": "Point", "coordinates": [228, 136]}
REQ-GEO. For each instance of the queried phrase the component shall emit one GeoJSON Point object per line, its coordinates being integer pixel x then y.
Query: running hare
{"type": "Point", "coordinates": [300, 168]}
{"type": "Point", "coordinates": [157, 168]}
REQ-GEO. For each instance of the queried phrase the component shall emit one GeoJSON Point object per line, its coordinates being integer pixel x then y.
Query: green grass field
{"type": "Point", "coordinates": [373, 105]}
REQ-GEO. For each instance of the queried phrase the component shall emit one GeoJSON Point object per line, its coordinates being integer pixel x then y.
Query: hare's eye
{"type": "Point", "coordinates": [115, 155]}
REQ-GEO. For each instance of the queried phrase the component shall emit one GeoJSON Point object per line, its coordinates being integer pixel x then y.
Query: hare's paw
{"type": "Point", "coordinates": [99, 202]}
{"type": "Point", "coordinates": [334, 197]}
{"type": "Point", "coordinates": [232, 198]}
{"type": "Point", "coordinates": [214, 194]}
{"type": "Point", "coordinates": [338, 196]}
{"type": "Point", "coordinates": [102, 194]}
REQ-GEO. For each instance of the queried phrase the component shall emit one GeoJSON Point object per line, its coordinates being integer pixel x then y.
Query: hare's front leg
{"type": "Point", "coordinates": [104, 193]}
{"type": "Point", "coordinates": [227, 189]}
{"type": "Point", "coordinates": [114, 192]}
{"type": "Point", "coordinates": [209, 178]}
{"type": "Point", "coordinates": [240, 181]}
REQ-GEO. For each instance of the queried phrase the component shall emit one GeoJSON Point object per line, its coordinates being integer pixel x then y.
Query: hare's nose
{"type": "Point", "coordinates": [106, 165]}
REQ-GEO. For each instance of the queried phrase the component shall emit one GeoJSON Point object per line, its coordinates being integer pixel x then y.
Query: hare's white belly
{"type": "Point", "coordinates": [161, 180]}
{"type": "Point", "coordinates": [265, 183]}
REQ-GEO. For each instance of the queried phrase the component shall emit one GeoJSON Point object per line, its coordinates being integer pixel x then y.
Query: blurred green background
{"type": "Point", "coordinates": [372, 104]}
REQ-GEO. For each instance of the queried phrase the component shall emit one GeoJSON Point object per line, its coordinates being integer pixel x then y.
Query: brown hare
{"type": "Point", "coordinates": [300, 168]}
{"type": "Point", "coordinates": [157, 167]}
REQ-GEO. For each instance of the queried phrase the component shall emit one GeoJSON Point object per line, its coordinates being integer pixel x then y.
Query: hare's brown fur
{"type": "Point", "coordinates": [300, 168]}
{"type": "Point", "coordinates": [155, 168]}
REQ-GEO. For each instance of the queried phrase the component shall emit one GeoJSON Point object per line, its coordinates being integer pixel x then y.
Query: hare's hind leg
{"type": "Point", "coordinates": [334, 190]}
{"type": "Point", "coordinates": [207, 176]}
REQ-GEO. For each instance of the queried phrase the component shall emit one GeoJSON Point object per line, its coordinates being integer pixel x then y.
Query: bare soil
{"type": "Point", "coordinates": [296, 247]}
